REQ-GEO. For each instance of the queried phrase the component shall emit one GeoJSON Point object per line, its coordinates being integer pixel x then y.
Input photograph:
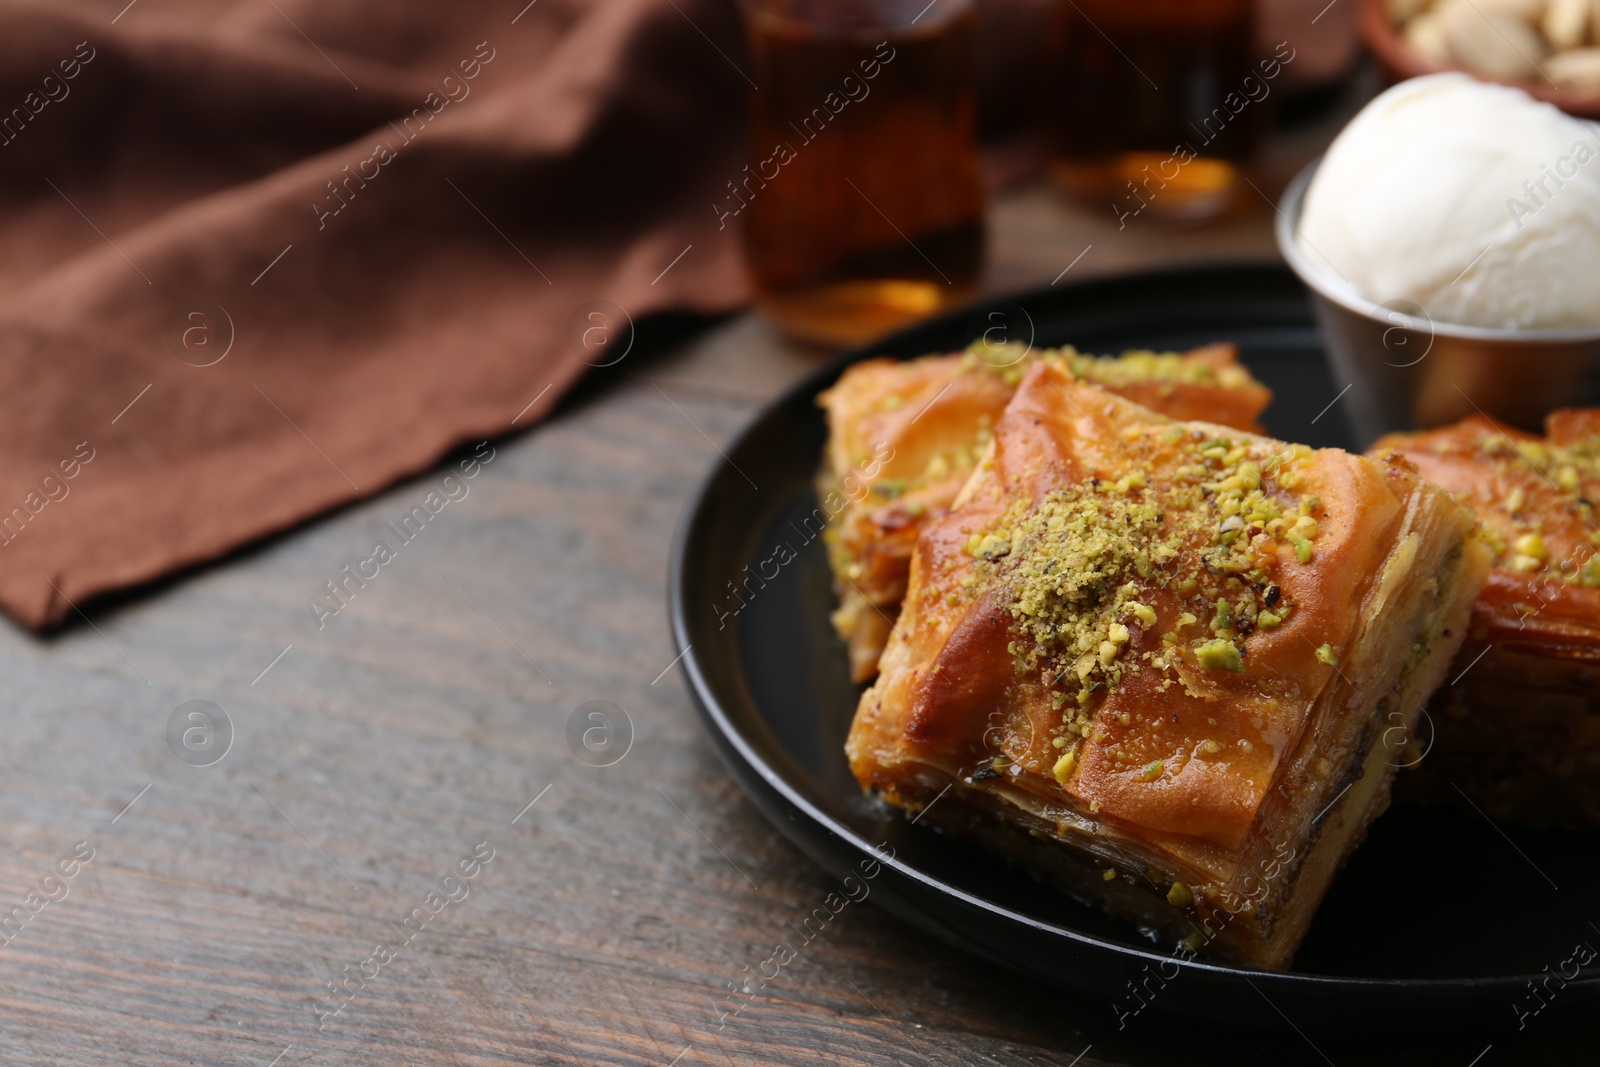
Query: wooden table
{"type": "Point", "coordinates": [431, 715]}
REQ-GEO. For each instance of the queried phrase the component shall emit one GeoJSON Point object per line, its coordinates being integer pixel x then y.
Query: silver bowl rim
{"type": "Point", "coordinates": [1340, 292]}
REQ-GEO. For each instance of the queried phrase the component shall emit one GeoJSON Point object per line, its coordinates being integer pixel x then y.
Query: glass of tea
{"type": "Point", "coordinates": [862, 204]}
{"type": "Point", "coordinates": [1155, 103]}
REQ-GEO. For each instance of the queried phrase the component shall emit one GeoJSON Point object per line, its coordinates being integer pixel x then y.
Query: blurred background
{"type": "Point", "coordinates": [358, 362]}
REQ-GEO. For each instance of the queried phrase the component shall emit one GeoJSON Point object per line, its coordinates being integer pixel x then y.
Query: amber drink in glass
{"type": "Point", "coordinates": [1155, 104]}
{"type": "Point", "coordinates": [862, 204]}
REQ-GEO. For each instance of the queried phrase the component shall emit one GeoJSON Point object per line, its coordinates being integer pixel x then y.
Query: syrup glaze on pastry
{"type": "Point", "coordinates": [1157, 660]}
{"type": "Point", "coordinates": [1518, 730]}
{"type": "Point", "coordinates": [920, 426]}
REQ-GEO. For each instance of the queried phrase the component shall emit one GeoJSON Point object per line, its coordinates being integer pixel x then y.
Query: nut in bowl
{"type": "Point", "coordinates": [1550, 48]}
{"type": "Point", "coordinates": [1451, 240]}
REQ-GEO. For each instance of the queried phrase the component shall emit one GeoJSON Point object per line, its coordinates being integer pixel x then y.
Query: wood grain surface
{"type": "Point", "coordinates": [430, 716]}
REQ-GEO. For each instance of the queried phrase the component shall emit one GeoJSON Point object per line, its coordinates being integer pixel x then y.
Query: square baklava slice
{"type": "Point", "coordinates": [1167, 664]}
{"type": "Point", "coordinates": [904, 435]}
{"type": "Point", "coordinates": [1517, 730]}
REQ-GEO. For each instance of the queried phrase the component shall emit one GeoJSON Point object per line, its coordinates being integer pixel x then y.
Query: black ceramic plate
{"type": "Point", "coordinates": [1439, 918]}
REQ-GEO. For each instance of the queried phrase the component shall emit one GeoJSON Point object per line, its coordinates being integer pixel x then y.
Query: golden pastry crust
{"type": "Point", "coordinates": [904, 436]}
{"type": "Point", "coordinates": [1169, 648]}
{"type": "Point", "coordinates": [1534, 641]}
{"type": "Point", "coordinates": [1538, 497]}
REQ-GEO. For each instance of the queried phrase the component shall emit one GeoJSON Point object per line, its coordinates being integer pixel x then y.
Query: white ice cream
{"type": "Point", "coordinates": [1475, 201]}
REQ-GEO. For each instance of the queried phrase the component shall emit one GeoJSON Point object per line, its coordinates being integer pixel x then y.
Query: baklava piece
{"type": "Point", "coordinates": [1162, 663]}
{"type": "Point", "coordinates": [1517, 730]}
{"type": "Point", "coordinates": [903, 437]}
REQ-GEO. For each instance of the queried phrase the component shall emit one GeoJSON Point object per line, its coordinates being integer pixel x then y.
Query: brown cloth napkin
{"type": "Point", "coordinates": [386, 222]}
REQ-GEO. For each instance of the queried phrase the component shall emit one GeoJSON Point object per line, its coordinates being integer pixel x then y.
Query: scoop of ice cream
{"type": "Point", "coordinates": [1475, 201]}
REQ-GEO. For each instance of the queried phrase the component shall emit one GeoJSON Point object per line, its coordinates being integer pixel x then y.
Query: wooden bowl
{"type": "Point", "coordinates": [1400, 61]}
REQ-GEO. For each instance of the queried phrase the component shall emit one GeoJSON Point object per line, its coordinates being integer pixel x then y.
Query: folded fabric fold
{"type": "Point", "coordinates": [263, 260]}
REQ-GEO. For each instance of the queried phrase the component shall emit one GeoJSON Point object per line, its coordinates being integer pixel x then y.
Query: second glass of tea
{"type": "Point", "coordinates": [862, 204]}
{"type": "Point", "coordinates": [1155, 104]}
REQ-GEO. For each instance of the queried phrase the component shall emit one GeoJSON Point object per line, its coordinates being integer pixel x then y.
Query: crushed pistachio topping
{"type": "Point", "coordinates": [1064, 765]}
{"type": "Point", "coordinates": [1010, 359]}
{"type": "Point", "coordinates": [1180, 895]}
{"type": "Point", "coordinates": [1220, 655]}
{"type": "Point", "coordinates": [1076, 570]}
{"type": "Point", "coordinates": [890, 487]}
{"type": "Point", "coordinates": [1570, 473]}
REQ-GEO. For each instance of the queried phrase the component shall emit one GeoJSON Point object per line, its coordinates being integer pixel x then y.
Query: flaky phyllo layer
{"type": "Point", "coordinates": [932, 418]}
{"type": "Point", "coordinates": [1168, 646]}
{"type": "Point", "coordinates": [1540, 499]}
{"type": "Point", "coordinates": [1518, 734]}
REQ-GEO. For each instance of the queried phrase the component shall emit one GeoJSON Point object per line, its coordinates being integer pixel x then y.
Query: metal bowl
{"type": "Point", "coordinates": [1406, 371]}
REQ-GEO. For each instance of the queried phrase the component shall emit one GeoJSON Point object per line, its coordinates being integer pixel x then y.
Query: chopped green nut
{"type": "Point", "coordinates": [1268, 619]}
{"type": "Point", "coordinates": [1108, 874]}
{"type": "Point", "coordinates": [993, 547]}
{"type": "Point", "coordinates": [1222, 655]}
{"type": "Point", "coordinates": [1327, 654]}
{"type": "Point", "coordinates": [1135, 480]}
{"type": "Point", "coordinates": [1179, 895]}
{"type": "Point", "coordinates": [1063, 767]}
{"type": "Point", "coordinates": [1152, 771]}
{"type": "Point", "coordinates": [1302, 551]}
{"type": "Point", "coordinates": [889, 487]}
{"type": "Point", "coordinates": [1524, 564]}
